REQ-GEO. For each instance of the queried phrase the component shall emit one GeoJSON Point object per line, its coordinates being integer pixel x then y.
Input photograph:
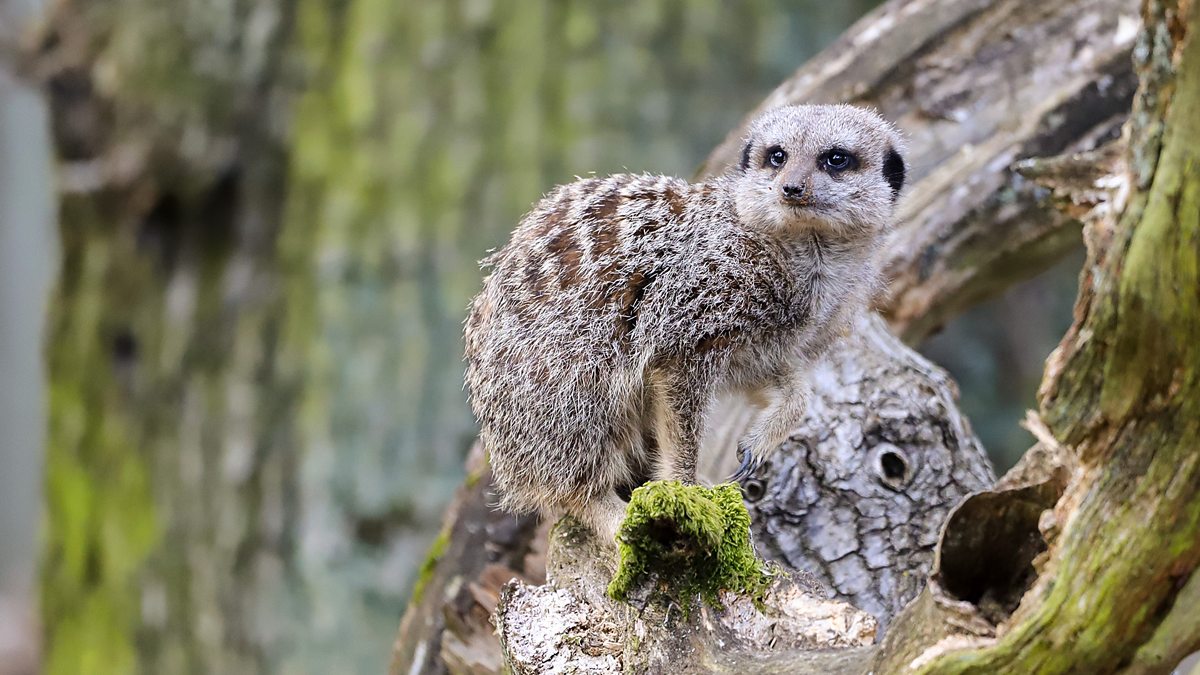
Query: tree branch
{"type": "Point", "coordinates": [976, 86]}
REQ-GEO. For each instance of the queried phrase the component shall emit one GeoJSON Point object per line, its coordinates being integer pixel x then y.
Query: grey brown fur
{"type": "Point", "coordinates": [624, 305]}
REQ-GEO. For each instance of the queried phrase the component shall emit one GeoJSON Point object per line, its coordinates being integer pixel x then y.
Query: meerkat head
{"type": "Point", "coordinates": [826, 168]}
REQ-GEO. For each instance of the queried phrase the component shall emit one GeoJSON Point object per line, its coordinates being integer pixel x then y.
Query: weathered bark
{"type": "Point", "coordinates": [975, 85]}
{"type": "Point", "coordinates": [1115, 590]}
{"type": "Point", "coordinates": [479, 550]}
{"type": "Point", "coordinates": [1084, 559]}
{"type": "Point", "coordinates": [969, 227]}
{"type": "Point", "coordinates": [571, 625]}
{"type": "Point", "coordinates": [857, 494]}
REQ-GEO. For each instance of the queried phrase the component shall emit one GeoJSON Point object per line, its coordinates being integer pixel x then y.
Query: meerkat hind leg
{"type": "Point", "coordinates": [604, 516]}
{"type": "Point", "coordinates": [678, 411]}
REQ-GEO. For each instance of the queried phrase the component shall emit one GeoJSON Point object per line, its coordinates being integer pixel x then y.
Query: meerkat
{"type": "Point", "coordinates": [622, 306]}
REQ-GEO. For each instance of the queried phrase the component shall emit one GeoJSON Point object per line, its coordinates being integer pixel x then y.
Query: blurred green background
{"type": "Point", "coordinates": [313, 434]}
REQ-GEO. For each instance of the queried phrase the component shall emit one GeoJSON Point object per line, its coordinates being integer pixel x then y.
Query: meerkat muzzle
{"type": "Point", "coordinates": [795, 186]}
{"type": "Point", "coordinates": [796, 194]}
{"type": "Point", "coordinates": [793, 193]}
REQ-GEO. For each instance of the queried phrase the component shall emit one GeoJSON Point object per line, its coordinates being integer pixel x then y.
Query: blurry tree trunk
{"type": "Point", "coordinates": [270, 212]}
{"type": "Point", "coordinates": [172, 479]}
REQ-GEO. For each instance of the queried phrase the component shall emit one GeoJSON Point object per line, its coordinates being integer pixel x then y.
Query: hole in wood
{"type": "Point", "coordinates": [989, 545]}
{"type": "Point", "coordinates": [754, 490]}
{"type": "Point", "coordinates": [892, 466]}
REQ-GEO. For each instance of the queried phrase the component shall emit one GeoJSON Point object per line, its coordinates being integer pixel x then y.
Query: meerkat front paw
{"type": "Point", "coordinates": [749, 463]}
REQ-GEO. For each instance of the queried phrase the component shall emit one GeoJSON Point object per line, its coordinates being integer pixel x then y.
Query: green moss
{"type": "Point", "coordinates": [475, 474]}
{"type": "Point", "coordinates": [101, 520]}
{"type": "Point", "coordinates": [689, 540]}
{"type": "Point", "coordinates": [436, 551]}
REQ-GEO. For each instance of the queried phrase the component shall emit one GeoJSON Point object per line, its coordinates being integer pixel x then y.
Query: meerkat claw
{"type": "Point", "coordinates": [748, 464]}
{"type": "Point", "coordinates": [758, 462]}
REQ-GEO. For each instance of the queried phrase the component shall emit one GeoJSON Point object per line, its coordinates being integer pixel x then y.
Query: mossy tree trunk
{"type": "Point", "coordinates": [1117, 588]}
{"type": "Point", "coordinates": [172, 472]}
{"type": "Point", "coordinates": [270, 213]}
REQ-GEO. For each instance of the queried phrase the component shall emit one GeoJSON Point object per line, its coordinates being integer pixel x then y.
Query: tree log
{"type": "Point", "coordinates": [1115, 588]}
{"type": "Point", "coordinates": [975, 86]}
{"type": "Point", "coordinates": [978, 87]}
{"type": "Point", "coordinates": [1085, 559]}
{"type": "Point", "coordinates": [571, 625]}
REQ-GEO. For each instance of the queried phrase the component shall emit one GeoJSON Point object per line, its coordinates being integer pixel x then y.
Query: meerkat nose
{"type": "Point", "coordinates": [793, 193]}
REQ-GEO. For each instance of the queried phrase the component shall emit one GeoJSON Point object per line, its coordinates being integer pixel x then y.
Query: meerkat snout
{"type": "Point", "coordinates": [793, 193]}
{"type": "Point", "coordinates": [623, 306]}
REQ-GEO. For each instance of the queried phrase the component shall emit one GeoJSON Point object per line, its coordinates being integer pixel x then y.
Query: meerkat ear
{"type": "Point", "coordinates": [893, 171]}
{"type": "Point", "coordinates": [746, 156]}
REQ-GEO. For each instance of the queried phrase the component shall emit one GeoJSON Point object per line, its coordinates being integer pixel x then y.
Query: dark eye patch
{"type": "Point", "coordinates": [893, 171]}
{"type": "Point", "coordinates": [746, 156]}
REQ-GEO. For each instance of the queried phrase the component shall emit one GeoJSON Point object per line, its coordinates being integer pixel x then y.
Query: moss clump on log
{"type": "Point", "coordinates": [689, 541]}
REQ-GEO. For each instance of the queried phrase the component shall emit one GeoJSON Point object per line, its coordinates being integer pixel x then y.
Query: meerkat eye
{"type": "Point", "coordinates": [776, 156]}
{"type": "Point", "coordinates": [837, 160]}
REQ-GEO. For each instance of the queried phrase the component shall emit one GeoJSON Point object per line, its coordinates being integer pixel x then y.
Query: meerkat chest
{"type": "Point", "coordinates": [827, 286]}
{"type": "Point", "coordinates": [820, 298]}
{"type": "Point", "coordinates": [823, 280]}
{"type": "Point", "coordinates": [827, 283]}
